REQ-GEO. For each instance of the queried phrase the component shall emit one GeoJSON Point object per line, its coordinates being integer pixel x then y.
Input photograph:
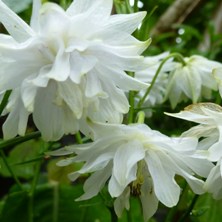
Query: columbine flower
{"type": "Point", "coordinates": [158, 90]}
{"type": "Point", "coordinates": [135, 159]}
{"type": "Point", "coordinates": [68, 65]}
{"type": "Point", "coordinates": [209, 116]}
{"type": "Point", "coordinates": [193, 80]}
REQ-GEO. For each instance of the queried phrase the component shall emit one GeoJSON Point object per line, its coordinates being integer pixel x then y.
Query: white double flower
{"type": "Point", "coordinates": [68, 65]}
{"type": "Point", "coordinates": [135, 159]}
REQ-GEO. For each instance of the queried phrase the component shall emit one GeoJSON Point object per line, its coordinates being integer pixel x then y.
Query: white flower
{"type": "Point", "coordinates": [209, 117]}
{"type": "Point", "coordinates": [135, 159]}
{"type": "Point", "coordinates": [68, 65]}
{"type": "Point", "coordinates": [193, 81]}
{"type": "Point", "coordinates": [158, 90]}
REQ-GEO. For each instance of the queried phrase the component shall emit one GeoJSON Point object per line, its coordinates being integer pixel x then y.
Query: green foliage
{"type": "Point", "coordinates": [53, 203]}
{"type": "Point", "coordinates": [22, 159]}
{"type": "Point", "coordinates": [207, 209]}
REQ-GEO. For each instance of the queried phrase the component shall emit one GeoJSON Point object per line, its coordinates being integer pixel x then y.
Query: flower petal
{"type": "Point", "coordinates": [17, 28]}
{"type": "Point", "coordinates": [148, 198]}
{"type": "Point", "coordinates": [16, 122]}
{"type": "Point", "coordinates": [47, 116]}
{"type": "Point", "coordinates": [71, 94]}
{"type": "Point", "coordinates": [165, 187]}
{"type": "Point", "coordinates": [126, 158]}
{"type": "Point", "coordinates": [126, 23]}
{"type": "Point", "coordinates": [95, 183]}
{"type": "Point", "coordinates": [213, 183]}
{"type": "Point", "coordinates": [97, 9]}
{"type": "Point", "coordinates": [35, 14]}
{"type": "Point", "coordinates": [122, 202]}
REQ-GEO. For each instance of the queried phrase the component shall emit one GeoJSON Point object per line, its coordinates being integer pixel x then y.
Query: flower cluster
{"type": "Point", "coordinates": [73, 69]}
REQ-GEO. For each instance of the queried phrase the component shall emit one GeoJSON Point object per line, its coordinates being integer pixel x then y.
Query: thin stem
{"type": "Point", "coordinates": [189, 210]}
{"type": "Point", "coordinates": [10, 169]}
{"type": "Point", "coordinates": [128, 7]}
{"type": "Point", "coordinates": [18, 140]}
{"type": "Point", "coordinates": [135, 7]}
{"type": "Point", "coordinates": [218, 99]}
{"type": "Point", "coordinates": [177, 56]}
{"type": "Point", "coordinates": [5, 100]}
{"type": "Point", "coordinates": [78, 138]}
{"type": "Point", "coordinates": [131, 110]}
{"type": "Point", "coordinates": [32, 190]}
{"type": "Point", "coordinates": [131, 102]}
{"type": "Point", "coordinates": [140, 117]}
{"type": "Point", "coordinates": [129, 217]}
{"type": "Point", "coordinates": [55, 202]}
{"type": "Point", "coordinates": [114, 217]}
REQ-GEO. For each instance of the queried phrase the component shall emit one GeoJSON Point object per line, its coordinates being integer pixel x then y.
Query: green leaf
{"type": "Point", "coordinates": [54, 203]}
{"type": "Point", "coordinates": [207, 209]}
{"type": "Point", "coordinates": [22, 159]}
{"type": "Point", "coordinates": [18, 5]}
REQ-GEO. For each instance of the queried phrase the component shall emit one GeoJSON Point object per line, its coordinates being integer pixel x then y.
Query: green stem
{"type": "Point", "coordinates": [18, 140]}
{"type": "Point", "coordinates": [114, 217]}
{"type": "Point", "coordinates": [129, 217]}
{"type": "Point", "coordinates": [78, 138]}
{"type": "Point", "coordinates": [10, 169]}
{"type": "Point", "coordinates": [5, 100]}
{"type": "Point", "coordinates": [177, 56]}
{"type": "Point", "coordinates": [140, 117]}
{"type": "Point", "coordinates": [131, 102]}
{"type": "Point", "coordinates": [55, 202]}
{"type": "Point", "coordinates": [32, 191]}
{"type": "Point", "coordinates": [135, 7]}
{"type": "Point", "coordinates": [131, 110]}
{"type": "Point", "coordinates": [128, 7]}
{"type": "Point", "coordinates": [218, 99]}
{"type": "Point", "coordinates": [189, 210]}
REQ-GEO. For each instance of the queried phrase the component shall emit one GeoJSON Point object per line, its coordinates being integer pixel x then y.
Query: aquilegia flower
{"type": "Point", "coordinates": [68, 65]}
{"type": "Point", "coordinates": [135, 159]}
{"type": "Point", "coordinates": [209, 117]}
{"type": "Point", "coordinates": [193, 80]}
